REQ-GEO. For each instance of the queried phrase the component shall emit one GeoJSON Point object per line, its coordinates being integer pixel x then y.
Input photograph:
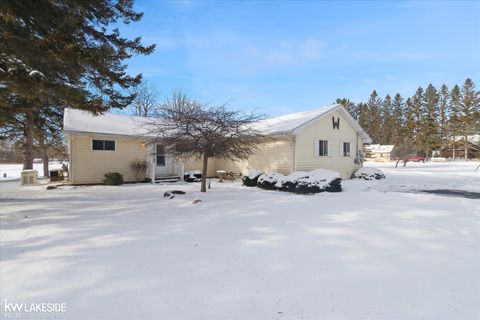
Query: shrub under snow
{"type": "Point", "coordinates": [311, 182]}
{"type": "Point", "coordinates": [192, 176]}
{"type": "Point", "coordinates": [368, 174]}
{"type": "Point", "coordinates": [250, 180]}
{"type": "Point", "coordinates": [268, 180]}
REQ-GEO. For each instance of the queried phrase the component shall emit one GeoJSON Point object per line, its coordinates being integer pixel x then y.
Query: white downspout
{"type": "Point", "coordinates": [151, 158]}
{"type": "Point", "coordinates": [70, 170]}
{"type": "Point", "coordinates": [293, 156]}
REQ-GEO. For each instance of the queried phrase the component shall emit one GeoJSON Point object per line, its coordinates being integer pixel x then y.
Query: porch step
{"type": "Point", "coordinates": [163, 179]}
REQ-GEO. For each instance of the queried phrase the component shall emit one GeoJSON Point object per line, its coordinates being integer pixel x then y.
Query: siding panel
{"type": "Point", "coordinates": [272, 156]}
{"type": "Point", "coordinates": [89, 166]}
{"type": "Point", "coordinates": [306, 146]}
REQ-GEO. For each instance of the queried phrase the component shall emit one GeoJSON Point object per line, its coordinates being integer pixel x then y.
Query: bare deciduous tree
{"type": "Point", "coordinates": [190, 129]}
{"type": "Point", "coordinates": [146, 101]}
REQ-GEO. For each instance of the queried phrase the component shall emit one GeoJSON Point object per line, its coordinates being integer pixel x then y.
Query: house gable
{"type": "Point", "coordinates": [336, 129]}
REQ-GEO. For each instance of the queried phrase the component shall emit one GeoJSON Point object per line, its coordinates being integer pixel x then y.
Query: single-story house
{"type": "Point", "coordinates": [326, 137]}
{"type": "Point", "coordinates": [379, 152]}
{"type": "Point", "coordinates": [473, 145]}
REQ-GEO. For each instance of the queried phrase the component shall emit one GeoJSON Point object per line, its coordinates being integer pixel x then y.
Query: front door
{"type": "Point", "coordinates": [163, 164]}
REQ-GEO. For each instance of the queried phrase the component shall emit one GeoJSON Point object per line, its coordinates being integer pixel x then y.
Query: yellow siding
{"type": "Point", "coordinates": [273, 156]}
{"type": "Point", "coordinates": [89, 166]}
{"type": "Point", "coordinates": [193, 164]}
{"type": "Point", "coordinates": [306, 146]}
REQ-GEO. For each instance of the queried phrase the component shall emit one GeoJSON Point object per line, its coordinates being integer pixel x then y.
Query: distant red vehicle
{"type": "Point", "coordinates": [416, 159]}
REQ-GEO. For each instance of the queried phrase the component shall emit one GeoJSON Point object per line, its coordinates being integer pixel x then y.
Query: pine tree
{"type": "Point", "coordinates": [398, 127]}
{"type": "Point", "coordinates": [429, 124]}
{"type": "Point", "coordinates": [388, 122]}
{"type": "Point", "coordinates": [417, 107]}
{"type": "Point", "coordinates": [444, 110]}
{"type": "Point", "coordinates": [364, 117]}
{"type": "Point", "coordinates": [469, 102]}
{"type": "Point", "coordinates": [64, 53]}
{"type": "Point", "coordinates": [351, 107]}
{"type": "Point", "coordinates": [454, 121]}
{"type": "Point", "coordinates": [375, 119]}
{"type": "Point", "coordinates": [406, 142]}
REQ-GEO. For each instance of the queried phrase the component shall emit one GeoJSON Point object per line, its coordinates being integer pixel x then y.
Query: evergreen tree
{"type": "Point", "coordinates": [417, 107]}
{"type": "Point", "coordinates": [388, 121]}
{"type": "Point", "coordinates": [375, 119]}
{"type": "Point", "coordinates": [364, 117]}
{"type": "Point", "coordinates": [430, 127]}
{"type": "Point", "coordinates": [454, 121]}
{"type": "Point", "coordinates": [350, 106]}
{"type": "Point", "coordinates": [469, 103]}
{"type": "Point", "coordinates": [444, 110]}
{"type": "Point", "coordinates": [64, 53]}
{"type": "Point", "coordinates": [398, 127]}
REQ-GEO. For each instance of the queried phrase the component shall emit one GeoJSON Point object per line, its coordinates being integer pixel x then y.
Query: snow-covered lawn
{"type": "Point", "coordinates": [369, 252]}
{"type": "Point", "coordinates": [13, 171]}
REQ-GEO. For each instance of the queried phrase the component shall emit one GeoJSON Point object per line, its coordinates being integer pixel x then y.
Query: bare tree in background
{"type": "Point", "coordinates": [189, 129]}
{"type": "Point", "coordinates": [146, 101]}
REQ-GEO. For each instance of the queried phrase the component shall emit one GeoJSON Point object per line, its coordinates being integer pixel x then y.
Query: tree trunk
{"type": "Point", "coordinates": [28, 145]}
{"type": "Point", "coordinates": [466, 146]}
{"type": "Point", "coordinates": [43, 148]}
{"type": "Point", "coordinates": [453, 148]}
{"type": "Point", "coordinates": [204, 173]}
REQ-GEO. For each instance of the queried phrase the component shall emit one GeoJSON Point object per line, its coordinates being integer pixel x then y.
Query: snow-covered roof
{"type": "Point", "coordinates": [474, 138]}
{"type": "Point", "coordinates": [290, 122]}
{"type": "Point", "coordinates": [293, 122]}
{"type": "Point", "coordinates": [378, 148]}
{"type": "Point", "coordinates": [108, 123]}
{"type": "Point", "coordinates": [75, 120]}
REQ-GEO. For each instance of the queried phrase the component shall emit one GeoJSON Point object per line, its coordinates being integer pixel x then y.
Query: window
{"type": "Point", "coordinates": [323, 148]}
{"type": "Point", "coordinates": [160, 156]}
{"type": "Point", "coordinates": [346, 149]}
{"type": "Point", "coordinates": [103, 145]}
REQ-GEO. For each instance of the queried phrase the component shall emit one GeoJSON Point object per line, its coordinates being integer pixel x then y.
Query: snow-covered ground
{"type": "Point", "coordinates": [369, 252]}
{"type": "Point", "coordinates": [13, 171]}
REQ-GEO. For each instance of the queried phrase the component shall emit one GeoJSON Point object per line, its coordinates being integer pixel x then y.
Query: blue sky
{"type": "Point", "coordinates": [277, 57]}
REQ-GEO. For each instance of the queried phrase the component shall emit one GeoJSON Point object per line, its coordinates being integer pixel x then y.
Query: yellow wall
{"type": "Point", "coordinates": [194, 164]}
{"type": "Point", "coordinates": [272, 156]}
{"type": "Point", "coordinates": [88, 166]}
{"type": "Point", "coordinates": [306, 146]}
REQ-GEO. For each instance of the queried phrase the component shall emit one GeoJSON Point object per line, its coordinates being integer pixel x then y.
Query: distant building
{"type": "Point", "coordinates": [458, 147]}
{"type": "Point", "coordinates": [378, 152]}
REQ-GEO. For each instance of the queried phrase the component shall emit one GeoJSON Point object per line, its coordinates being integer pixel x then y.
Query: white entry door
{"type": "Point", "coordinates": [163, 164]}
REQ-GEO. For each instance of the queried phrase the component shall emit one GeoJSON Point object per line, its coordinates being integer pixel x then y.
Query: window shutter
{"type": "Point", "coordinates": [315, 147]}
{"type": "Point", "coordinates": [340, 149]}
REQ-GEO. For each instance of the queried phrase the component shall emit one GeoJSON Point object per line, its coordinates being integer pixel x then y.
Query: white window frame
{"type": "Point", "coordinates": [349, 149]}
{"type": "Point", "coordinates": [164, 155]}
{"type": "Point", "coordinates": [324, 143]}
{"type": "Point", "coordinates": [114, 141]}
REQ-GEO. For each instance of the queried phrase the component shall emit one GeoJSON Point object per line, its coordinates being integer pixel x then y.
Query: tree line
{"type": "Point", "coordinates": [431, 119]}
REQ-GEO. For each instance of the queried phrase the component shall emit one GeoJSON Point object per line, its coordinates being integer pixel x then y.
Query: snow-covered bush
{"type": "Point", "coordinates": [113, 179]}
{"type": "Point", "coordinates": [368, 174]}
{"type": "Point", "coordinates": [250, 180]}
{"type": "Point", "coordinates": [192, 176]}
{"type": "Point", "coordinates": [311, 182]}
{"type": "Point", "coordinates": [268, 180]}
